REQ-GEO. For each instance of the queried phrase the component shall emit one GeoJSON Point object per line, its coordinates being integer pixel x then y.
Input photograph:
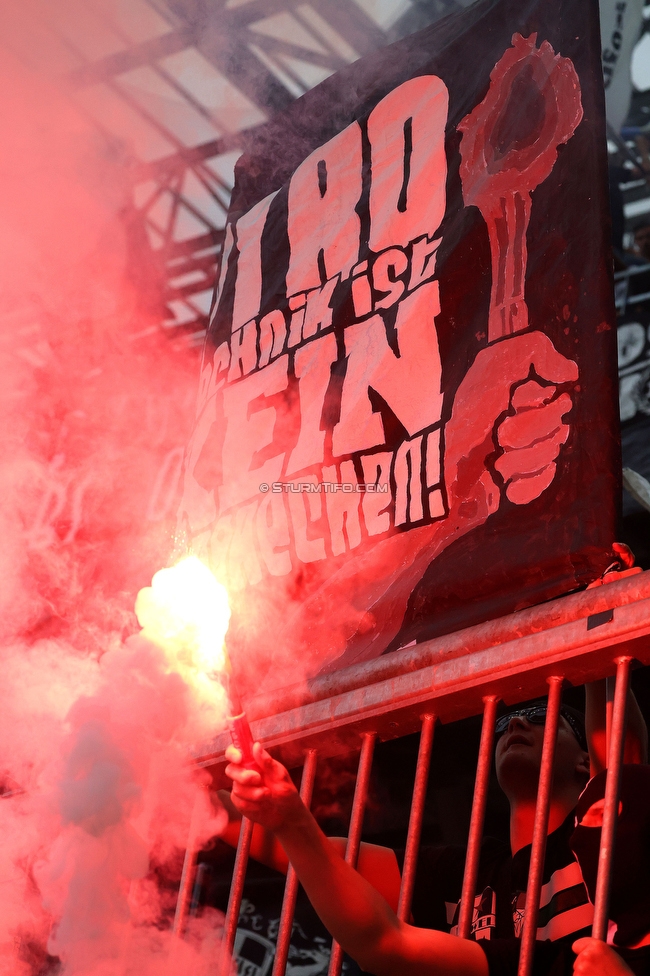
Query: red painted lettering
{"type": "Point", "coordinates": [312, 368]}
{"type": "Point", "coordinates": [409, 166]}
{"type": "Point", "coordinates": [272, 531]}
{"type": "Point", "coordinates": [374, 505]}
{"type": "Point", "coordinates": [243, 350]}
{"type": "Point", "coordinates": [248, 286]}
{"type": "Point", "coordinates": [273, 331]}
{"type": "Point", "coordinates": [342, 508]}
{"type": "Point", "coordinates": [322, 223]}
{"type": "Point", "coordinates": [410, 384]}
{"type": "Point", "coordinates": [385, 276]}
{"type": "Point", "coordinates": [408, 482]}
{"type": "Point", "coordinates": [306, 508]}
{"type": "Point", "coordinates": [249, 429]}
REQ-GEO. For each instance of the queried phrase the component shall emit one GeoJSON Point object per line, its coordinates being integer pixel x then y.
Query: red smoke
{"type": "Point", "coordinates": [96, 406]}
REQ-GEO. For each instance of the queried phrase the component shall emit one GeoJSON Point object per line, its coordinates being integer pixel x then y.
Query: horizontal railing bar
{"type": "Point", "coordinates": [492, 633]}
{"type": "Point", "coordinates": [454, 688]}
{"type": "Point", "coordinates": [563, 623]}
{"type": "Point", "coordinates": [630, 272]}
{"type": "Point", "coordinates": [636, 299]}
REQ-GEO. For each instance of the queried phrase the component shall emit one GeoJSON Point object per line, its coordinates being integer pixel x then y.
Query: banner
{"type": "Point", "coordinates": [407, 418]}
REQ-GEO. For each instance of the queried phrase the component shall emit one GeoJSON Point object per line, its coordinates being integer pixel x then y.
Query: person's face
{"type": "Point", "coordinates": [519, 756]}
{"type": "Point", "coordinates": [642, 241]}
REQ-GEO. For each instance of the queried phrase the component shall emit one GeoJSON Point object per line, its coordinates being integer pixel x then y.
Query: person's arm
{"type": "Point", "coordinates": [636, 739]}
{"type": "Point", "coordinates": [349, 906]}
{"type": "Point", "coordinates": [378, 865]}
{"type": "Point", "coordinates": [264, 846]}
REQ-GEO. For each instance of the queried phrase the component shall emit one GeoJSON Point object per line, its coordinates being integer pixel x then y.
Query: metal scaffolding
{"type": "Point", "coordinates": [172, 85]}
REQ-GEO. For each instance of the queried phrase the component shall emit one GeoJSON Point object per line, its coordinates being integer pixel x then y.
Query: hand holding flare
{"type": "Point", "coordinates": [240, 730]}
{"type": "Point", "coordinates": [186, 611]}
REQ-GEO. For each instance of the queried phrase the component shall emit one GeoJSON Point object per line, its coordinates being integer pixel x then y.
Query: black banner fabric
{"type": "Point", "coordinates": [407, 419]}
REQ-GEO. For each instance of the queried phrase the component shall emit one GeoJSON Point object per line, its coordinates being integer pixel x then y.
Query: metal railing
{"type": "Point", "coordinates": [576, 639]}
{"type": "Point", "coordinates": [622, 279]}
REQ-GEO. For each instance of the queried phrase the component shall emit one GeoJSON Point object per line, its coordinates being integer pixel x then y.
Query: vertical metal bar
{"type": "Point", "coordinates": [356, 824]}
{"type": "Point", "coordinates": [477, 820]}
{"type": "Point", "coordinates": [187, 875]}
{"type": "Point", "coordinates": [415, 818]}
{"type": "Point", "coordinates": [540, 827]}
{"type": "Point", "coordinates": [199, 877]}
{"type": "Point", "coordinates": [291, 886]}
{"type": "Point", "coordinates": [612, 790]}
{"type": "Point", "coordinates": [236, 892]}
{"type": "Point", "coordinates": [609, 705]}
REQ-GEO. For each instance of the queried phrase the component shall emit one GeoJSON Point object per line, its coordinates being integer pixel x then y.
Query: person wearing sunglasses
{"type": "Point", "coordinates": [357, 907]}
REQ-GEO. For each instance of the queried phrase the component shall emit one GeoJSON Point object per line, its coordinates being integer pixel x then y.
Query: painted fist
{"type": "Point", "coordinates": [531, 437]}
{"type": "Point", "coordinates": [508, 399]}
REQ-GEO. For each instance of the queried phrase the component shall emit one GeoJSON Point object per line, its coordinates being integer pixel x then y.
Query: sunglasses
{"type": "Point", "coordinates": [536, 715]}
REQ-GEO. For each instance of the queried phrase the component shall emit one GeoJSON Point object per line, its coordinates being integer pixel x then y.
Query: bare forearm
{"type": "Point", "coordinates": [349, 907]}
{"type": "Point", "coordinates": [359, 918]}
{"type": "Point", "coordinates": [636, 743]}
{"type": "Point", "coordinates": [378, 865]}
{"type": "Point", "coordinates": [265, 848]}
{"type": "Point", "coordinates": [636, 739]}
{"type": "Point", "coordinates": [363, 922]}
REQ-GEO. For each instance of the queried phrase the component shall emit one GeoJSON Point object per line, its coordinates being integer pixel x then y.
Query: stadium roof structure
{"type": "Point", "coordinates": [173, 84]}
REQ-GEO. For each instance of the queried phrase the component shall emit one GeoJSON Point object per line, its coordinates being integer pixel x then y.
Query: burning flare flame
{"type": "Point", "coordinates": [186, 612]}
